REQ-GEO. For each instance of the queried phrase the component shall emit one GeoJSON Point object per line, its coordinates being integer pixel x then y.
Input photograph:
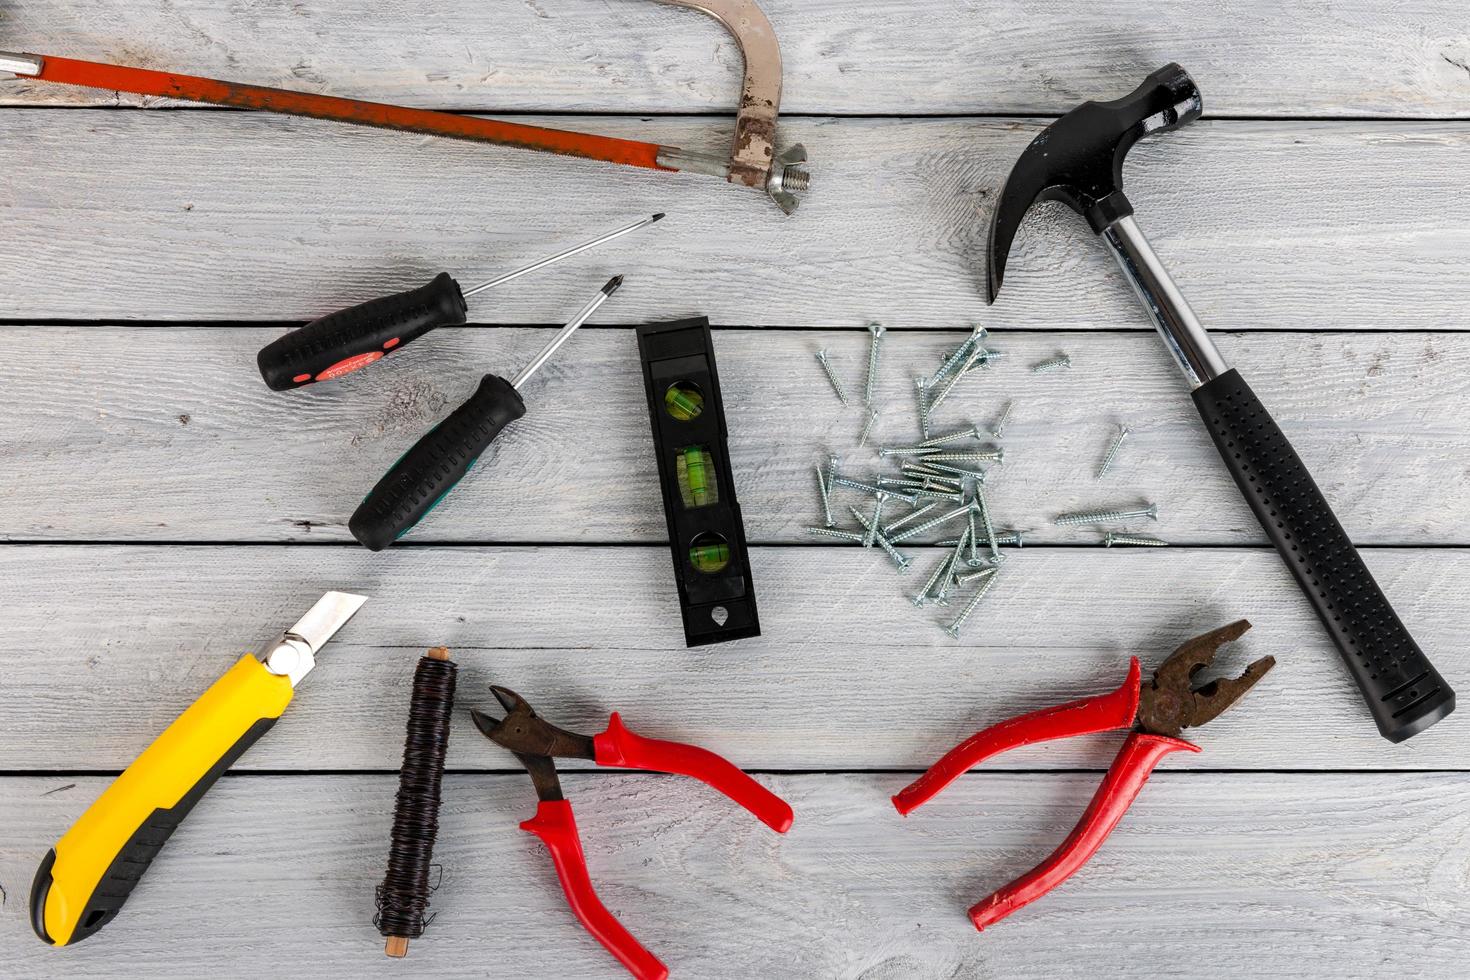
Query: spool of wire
{"type": "Point", "coordinates": [403, 897]}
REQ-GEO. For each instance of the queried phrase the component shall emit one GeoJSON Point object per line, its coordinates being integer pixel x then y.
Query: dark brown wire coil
{"type": "Point", "coordinates": [403, 897]}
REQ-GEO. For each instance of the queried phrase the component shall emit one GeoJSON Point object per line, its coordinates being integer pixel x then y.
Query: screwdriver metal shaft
{"type": "Point", "coordinates": [552, 259]}
{"type": "Point", "coordinates": [566, 332]}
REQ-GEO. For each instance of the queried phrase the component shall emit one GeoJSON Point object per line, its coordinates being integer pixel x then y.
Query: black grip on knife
{"type": "Point", "coordinates": [435, 464]}
{"type": "Point", "coordinates": [340, 343]}
{"type": "Point", "coordinates": [1403, 690]}
{"type": "Point", "coordinates": [136, 856]}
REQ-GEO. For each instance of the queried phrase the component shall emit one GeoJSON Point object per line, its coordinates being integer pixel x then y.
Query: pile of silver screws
{"type": "Point", "coordinates": [941, 479]}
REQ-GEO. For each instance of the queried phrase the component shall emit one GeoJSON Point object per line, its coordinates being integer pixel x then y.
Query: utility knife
{"type": "Point", "coordinates": [85, 879]}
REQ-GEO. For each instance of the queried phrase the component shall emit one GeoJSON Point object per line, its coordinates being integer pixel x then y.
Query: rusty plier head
{"type": "Point", "coordinates": [534, 740]}
{"type": "Point", "coordinates": [1171, 703]}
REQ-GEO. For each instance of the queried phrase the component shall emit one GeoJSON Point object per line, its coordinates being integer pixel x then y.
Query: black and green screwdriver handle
{"type": "Point", "coordinates": [1403, 690]}
{"type": "Point", "coordinates": [439, 460]}
{"type": "Point", "coordinates": [350, 339]}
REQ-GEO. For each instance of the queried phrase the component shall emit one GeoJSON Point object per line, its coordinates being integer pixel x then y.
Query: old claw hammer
{"type": "Point", "coordinates": [1078, 160]}
{"type": "Point", "coordinates": [753, 161]}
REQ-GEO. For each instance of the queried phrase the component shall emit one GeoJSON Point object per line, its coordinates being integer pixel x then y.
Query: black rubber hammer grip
{"type": "Point", "coordinates": [1403, 690]}
{"type": "Point", "coordinates": [435, 464]}
{"type": "Point", "coordinates": [342, 342]}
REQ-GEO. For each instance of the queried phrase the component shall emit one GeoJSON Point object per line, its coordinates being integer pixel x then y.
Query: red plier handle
{"type": "Point", "coordinates": [557, 828]}
{"type": "Point", "coordinates": [1102, 713]}
{"type": "Point", "coordinates": [1120, 787]}
{"type": "Point", "coordinates": [621, 748]}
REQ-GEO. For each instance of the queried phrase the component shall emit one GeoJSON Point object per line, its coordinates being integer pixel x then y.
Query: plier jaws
{"type": "Point", "coordinates": [1170, 702]}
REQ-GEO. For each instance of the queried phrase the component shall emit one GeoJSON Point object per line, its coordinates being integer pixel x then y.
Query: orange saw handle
{"type": "Point", "coordinates": [192, 88]}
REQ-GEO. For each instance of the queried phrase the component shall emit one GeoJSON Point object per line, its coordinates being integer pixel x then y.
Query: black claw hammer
{"type": "Point", "coordinates": [1078, 160]}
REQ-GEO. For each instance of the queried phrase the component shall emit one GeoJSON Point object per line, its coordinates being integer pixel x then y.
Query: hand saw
{"type": "Point", "coordinates": [753, 160]}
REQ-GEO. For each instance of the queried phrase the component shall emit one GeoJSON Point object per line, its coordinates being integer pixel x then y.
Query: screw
{"type": "Point", "coordinates": [1005, 417]}
{"type": "Point", "coordinates": [843, 481]}
{"type": "Point", "coordinates": [826, 498]}
{"type": "Point", "coordinates": [1057, 363]}
{"type": "Point", "coordinates": [973, 432]}
{"type": "Point", "coordinates": [909, 518]}
{"type": "Point", "coordinates": [877, 330]}
{"type": "Point", "coordinates": [827, 532]}
{"type": "Point", "coordinates": [902, 561]}
{"type": "Point", "coordinates": [877, 519]}
{"type": "Point", "coordinates": [950, 385]}
{"type": "Point", "coordinates": [935, 522]}
{"type": "Point", "coordinates": [974, 558]}
{"type": "Point", "coordinates": [954, 471]}
{"type": "Point", "coordinates": [886, 451]}
{"type": "Point", "coordinates": [933, 474]}
{"type": "Point", "coordinates": [1112, 451]}
{"type": "Point", "coordinates": [1104, 516]}
{"type": "Point", "coordinates": [993, 456]}
{"type": "Point", "coordinates": [832, 375]}
{"type": "Point", "coordinates": [868, 427]}
{"type": "Point", "coordinates": [1137, 540]}
{"type": "Point", "coordinates": [954, 495]}
{"type": "Point", "coordinates": [1005, 537]}
{"type": "Point", "coordinates": [922, 595]}
{"type": "Point", "coordinates": [986, 356]}
{"type": "Point", "coordinates": [995, 556]}
{"type": "Point", "coordinates": [977, 334]}
{"type": "Point", "coordinates": [922, 386]}
{"type": "Point", "coordinates": [969, 577]}
{"type": "Point", "coordinates": [833, 460]}
{"type": "Point", "coordinates": [953, 629]}
{"type": "Point", "coordinates": [954, 560]}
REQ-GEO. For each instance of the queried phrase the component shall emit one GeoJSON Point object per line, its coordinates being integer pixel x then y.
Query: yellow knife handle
{"type": "Point", "coordinates": [85, 879]}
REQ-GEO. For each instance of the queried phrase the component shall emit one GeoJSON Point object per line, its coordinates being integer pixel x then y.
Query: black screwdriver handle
{"type": "Point", "coordinates": [342, 342]}
{"type": "Point", "coordinates": [1403, 690]}
{"type": "Point", "coordinates": [428, 471]}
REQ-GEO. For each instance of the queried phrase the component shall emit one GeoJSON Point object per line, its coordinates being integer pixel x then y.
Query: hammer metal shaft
{"type": "Point", "coordinates": [1171, 313]}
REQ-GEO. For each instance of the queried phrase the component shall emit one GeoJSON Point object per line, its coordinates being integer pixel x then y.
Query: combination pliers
{"type": "Point", "coordinates": [1156, 711]}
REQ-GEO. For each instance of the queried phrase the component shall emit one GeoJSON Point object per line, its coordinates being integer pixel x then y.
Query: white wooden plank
{"type": "Point", "coordinates": [181, 441]}
{"type": "Point", "coordinates": [230, 215]}
{"type": "Point", "coordinates": [1221, 875]}
{"type": "Point", "coordinates": [1353, 57]}
{"type": "Point", "coordinates": [104, 646]}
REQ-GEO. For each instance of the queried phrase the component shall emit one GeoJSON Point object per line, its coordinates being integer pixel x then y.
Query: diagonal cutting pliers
{"type": "Point", "coordinates": [537, 744]}
{"type": "Point", "coordinates": [1156, 711]}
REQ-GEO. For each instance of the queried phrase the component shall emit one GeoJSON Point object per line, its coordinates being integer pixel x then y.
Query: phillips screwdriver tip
{"type": "Point", "coordinates": [612, 285]}
{"type": "Point", "coordinates": [659, 216]}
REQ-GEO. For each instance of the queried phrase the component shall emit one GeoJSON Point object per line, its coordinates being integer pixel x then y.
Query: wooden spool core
{"type": "Point", "coordinates": [396, 947]}
{"type": "Point", "coordinates": [437, 653]}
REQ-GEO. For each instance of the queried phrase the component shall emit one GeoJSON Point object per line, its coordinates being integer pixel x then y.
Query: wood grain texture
{"type": "Point", "coordinates": [224, 215]}
{"type": "Point", "coordinates": [104, 646]}
{"type": "Point", "coordinates": [1209, 875]}
{"type": "Point", "coordinates": [850, 57]}
{"type": "Point", "coordinates": [177, 439]}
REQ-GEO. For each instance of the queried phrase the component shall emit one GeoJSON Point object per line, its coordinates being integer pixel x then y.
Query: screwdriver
{"type": "Point", "coordinates": [428, 471]}
{"type": "Point", "coordinates": [342, 342]}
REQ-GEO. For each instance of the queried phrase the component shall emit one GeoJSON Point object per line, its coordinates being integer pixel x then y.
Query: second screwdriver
{"type": "Point", "coordinates": [342, 342]}
{"type": "Point", "coordinates": [439, 460]}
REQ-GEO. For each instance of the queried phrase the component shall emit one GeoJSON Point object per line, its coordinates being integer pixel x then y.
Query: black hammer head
{"type": "Point", "coordinates": [1079, 159]}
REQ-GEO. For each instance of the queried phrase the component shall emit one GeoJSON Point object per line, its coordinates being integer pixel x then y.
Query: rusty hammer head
{"type": "Point", "coordinates": [1078, 159]}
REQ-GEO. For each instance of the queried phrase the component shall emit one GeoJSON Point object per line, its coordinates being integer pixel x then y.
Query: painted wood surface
{"type": "Point", "coordinates": [104, 646]}
{"type": "Point", "coordinates": [1287, 224]}
{"type": "Point", "coordinates": [1246, 874]}
{"type": "Point", "coordinates": [161, 512]}
{"type": "Point", "coordinates": [850, 57]}
{"type": "Point", "coordinates": [156, 434]}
